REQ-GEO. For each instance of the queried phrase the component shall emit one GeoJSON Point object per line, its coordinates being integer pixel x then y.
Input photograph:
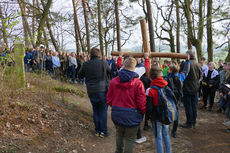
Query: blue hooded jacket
{"type": "Point", "coordinates": [126, 75]}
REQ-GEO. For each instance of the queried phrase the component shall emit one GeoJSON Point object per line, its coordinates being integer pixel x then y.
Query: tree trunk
{"type": "Point", "coordinates": [100, 26]}
{"type": "Point", "coordinates": [54, 42]}
{"type": "Point", "coordinates": [75, 27]}
{"type": "Point", "coordinates": [44, 31]}
{"type": "Point", "coordinates": [24, 20]}
{"type": "Point", "coordinates": [227, 59]}
{"type": "Point", "coordinates": [177, 27]}
{"type": "Point", "coordinates": [45, 39]}
{"type": "Point", "coordinates": [79, 31]}
{"type": "Point", "coordinates": [114, 31]}
{"type": "Point", "coordinates": [3, 29]}
{"type": "Point", "coordinates": [118, 25]}
{"type": "Point", "coordinates": [198, 47]}
{"type": "Point", "coordinates": [172, 43]}
{"type": "Point", "coordinates": [150, 23]}
{"type": "Point", "coordinates": [26, 25]}
{"type": "Point", "coordinates": [86, 26]}
{"type": "Point", "coordinates": [42, 22]}
{"type": "Point", "coordinates": [187, 11]}
{"type": "Point", "coordinates": [200, 29]}
{"type": "Point", "coordinates": [209, 32]}
{"type": "Point", "coordinates": [197, 42]}
{"type": "Point", "coordinates": [33, 20]}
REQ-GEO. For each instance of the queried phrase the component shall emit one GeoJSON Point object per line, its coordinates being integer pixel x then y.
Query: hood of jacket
{"type": "Point", "coordinates": [126, 75]}
{"type": "Point", "coordinates": [160, 82]}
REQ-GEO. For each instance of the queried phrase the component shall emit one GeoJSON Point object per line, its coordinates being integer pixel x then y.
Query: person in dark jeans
{"type": "Point", "coordinates": [210, 84]}
{"type": "Point", "coordinates": [98, 101]}
{"type": "Point", "coordinates": [190, 91]}
{"type": "Point", "coordinates": [48, 63]}
{"type": "Point", "coordinates": [95, 71]}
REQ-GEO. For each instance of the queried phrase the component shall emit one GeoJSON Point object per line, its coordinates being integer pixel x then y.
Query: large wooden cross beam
{"type": "Point", "coordinates": [152, 54]}
{"type": "Point", "coordinates": [147, 48]}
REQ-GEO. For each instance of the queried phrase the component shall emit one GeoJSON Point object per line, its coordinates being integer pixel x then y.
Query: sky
{"type": "Point", "coordinates": [134, 41]}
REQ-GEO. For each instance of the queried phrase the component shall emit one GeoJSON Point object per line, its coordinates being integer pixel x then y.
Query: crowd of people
{"type": "Point", "coordinates": [137, 89]}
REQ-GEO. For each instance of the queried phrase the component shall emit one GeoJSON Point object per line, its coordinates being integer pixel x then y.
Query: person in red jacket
{"type": "Point", "coordinates": [126, 96]}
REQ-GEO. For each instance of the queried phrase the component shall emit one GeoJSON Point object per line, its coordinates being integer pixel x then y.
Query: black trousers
{"type": "Point", "coordinates": [209, 92]}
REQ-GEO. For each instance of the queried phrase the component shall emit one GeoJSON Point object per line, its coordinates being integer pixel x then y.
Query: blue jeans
{"type": "Point", "coordinates": [162, 132]}
{"type": "Point", "coordinates": [98, 101]}
{"type": "Point", "coordinates": [26, 67]}
{"type": "Point", "coordinates": [190, 105]}
{"type": "Point", "coordinates": [221, 103]}
{"type": "Point", "coordinates": [73, 70]}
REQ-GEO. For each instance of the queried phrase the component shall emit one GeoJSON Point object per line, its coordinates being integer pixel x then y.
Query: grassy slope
{"type": "Point", "coordinates": [45, 117]}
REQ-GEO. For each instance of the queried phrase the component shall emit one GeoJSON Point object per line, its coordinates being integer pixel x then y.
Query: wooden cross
{"type": "Point", "coordinates": [147, 48]}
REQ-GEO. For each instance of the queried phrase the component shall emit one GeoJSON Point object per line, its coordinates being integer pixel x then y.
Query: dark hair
{"type": "Point", "coordinates": [95, 52]}
{"type": "Point", "coordinates": [155, 72]}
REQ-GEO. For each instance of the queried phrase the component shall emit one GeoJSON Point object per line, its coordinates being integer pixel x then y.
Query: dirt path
{"type": "Point", "coordinates": [208, 137]}
{"type": "Point", "coordinates": [65, 125]}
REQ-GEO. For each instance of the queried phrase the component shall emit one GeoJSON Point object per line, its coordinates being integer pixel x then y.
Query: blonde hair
{"type": "Point", "coordinates": [130, 63]}
{"type": "Point", "coordinates": [213, 63]}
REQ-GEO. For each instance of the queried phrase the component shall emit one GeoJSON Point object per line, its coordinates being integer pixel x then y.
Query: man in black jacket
{"type": "Point", "coordinates": [95, 71]}
{"type": "Point", "coordinates": [190, 91]}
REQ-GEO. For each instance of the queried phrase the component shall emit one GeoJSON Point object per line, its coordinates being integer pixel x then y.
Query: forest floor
{"type": "Point", "coordinates": [53, 117]}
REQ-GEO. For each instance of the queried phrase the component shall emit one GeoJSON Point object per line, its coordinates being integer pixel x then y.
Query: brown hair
{"type": "Point", "coordinates": [95, 52]}
{"type": "Point", "coordinates": [155, 71]}
{"type": "Point", "coordinates": [174, 67]}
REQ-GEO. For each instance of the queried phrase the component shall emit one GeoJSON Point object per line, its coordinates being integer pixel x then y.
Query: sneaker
{"type": "Point", "coordinates": [174, 135]}
{"type": "Point", "coordinates": [219, 110]}
{"type": "Point", "coordinates": [209, 109]}
{"type": "Point", "coordinates": [146, 127]}
{"type": "Point", "coordinates": [228, 130]}
{"type": "Point", "coordinates": [186, 126]}
{"type": "Point", "coordinates": [141, 140]}
{"type": "Point", "coordinates": [102, 135]}
{"type": "Point", "coordinates": [227, 123]}
{"type": "Point", "coordinates": [75, 82]}
{"type": "Point", "coordinates": [203, 107]}
{"type": "Point", "coordinates": [194, 126]}
{"type": "Point", "coordinates": [97, 134]}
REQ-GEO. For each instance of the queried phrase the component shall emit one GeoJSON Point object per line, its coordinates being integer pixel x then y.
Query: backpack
{"type": "Point", "coordinates": [166, 109]}
{"type": "Point", "coordinates": [176, 85]}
